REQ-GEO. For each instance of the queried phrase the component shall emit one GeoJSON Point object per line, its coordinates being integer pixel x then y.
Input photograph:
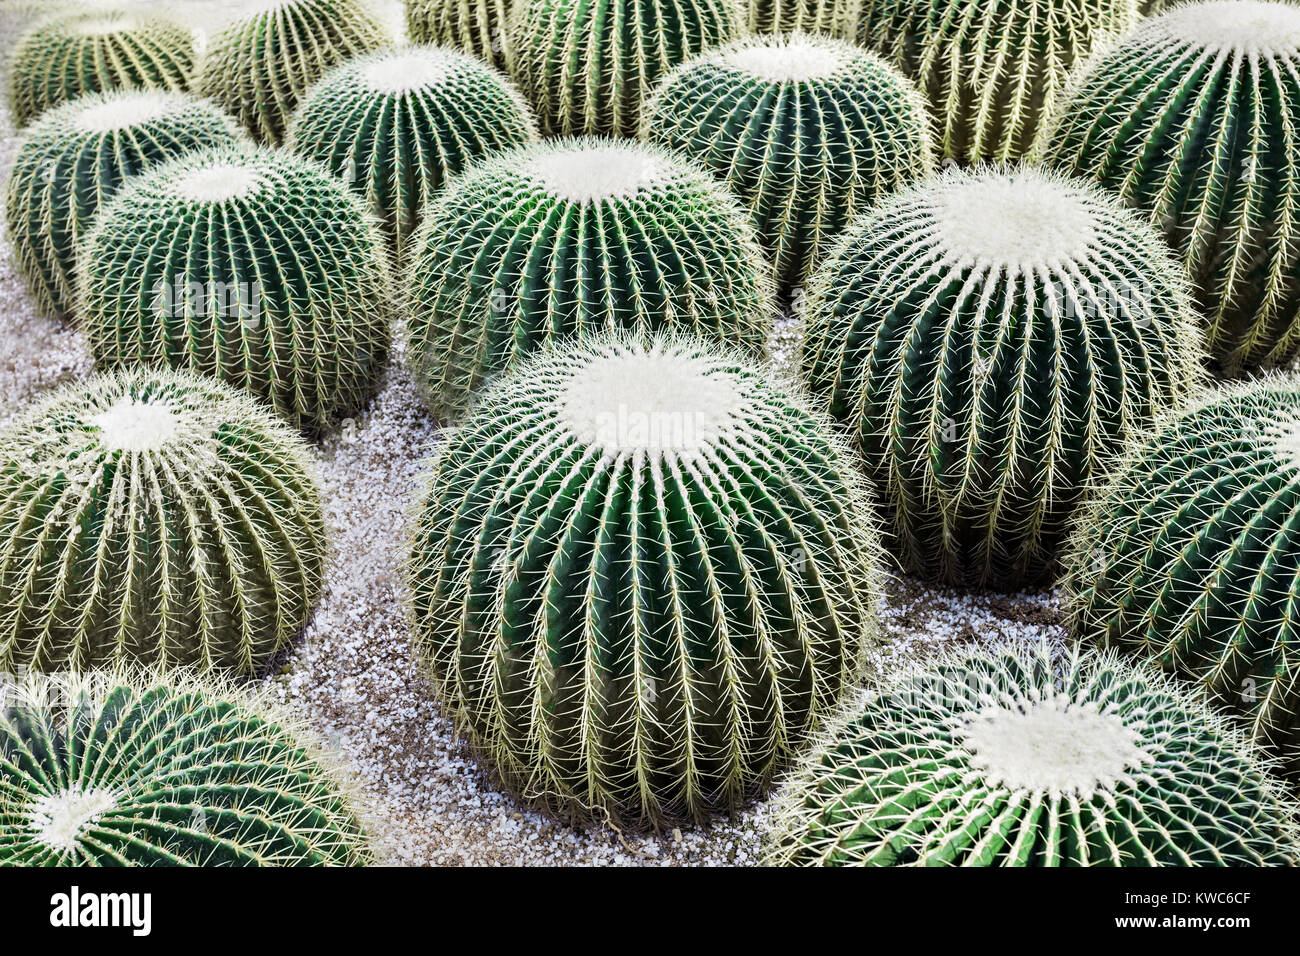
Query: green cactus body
{"type": "Point", "coordinates": [993, 338]}
{"type": "Point", "coordinates": [1193, 118]}
{"type": "Point", "coordinates": [641, 575]}
{"type": "Point", "coordinates": [156, 517]}
{"type": "Point", "coordinates": [807, 130]}
{"type": "Point", "coordinates": [246, 264]}
{"type": "Point", "coordinates": [838, 18]}
{"type": "Point", "coordinates": [259, 67]}
{"type": "Point", "coordinates": [587, 66]}
{"type": "Point", "coordinates": [124, 769]}
{"type": "Point", "coordinates": [75, 158]}
{"type": "Point", "coordinates": [68, 56]}
{"type": "Point", "coordinates": [991, 758]}
{"type": "Point", "coordinates": [1190, 555]}
{"type": "Point", "coordinates": [397, 124]}
{"type": "Point", "coordinates": [475, 26]}
{"type": "Point", "coordinates": [571, 236]}
{"type": "Point", "coordinates": [992, 69]}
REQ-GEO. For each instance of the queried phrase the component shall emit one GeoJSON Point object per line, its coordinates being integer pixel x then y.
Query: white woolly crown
{"type": "Point", "coordinates": [591, 172]}
{"type": "Point", "coordinates": [129, 425]}
{"type": "Point", "coordinates": [103, 25]}
{"type": "Point", "coordinates": [1242, 26]}
{"type": "Point", "coordinates": [58, 818]}
{"type": "Point", "coordinates": [124, 110]}
{"type": "Point", "coordinates": [793, 61]}
{"type": "Point", "coordinates": [218, 182]}
{"type": "Point", "coordinates": [410, 70]}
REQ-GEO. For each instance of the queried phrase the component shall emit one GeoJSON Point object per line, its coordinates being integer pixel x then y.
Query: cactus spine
{"type": "Point", "coordinates": [838, 18]}
{"type": "Point", "coordinates": [397, 124]}
{"type": "Point", "coordinates": [95, 51]}
{"type": "Point", "coordinates": [1192, 119]}
{"type": "Point", "coordinates": [641, 575]}
{"type": "Point", "coordinates": [998, 759]}
{"type": "Point", "coordinates": [132, 769]}
{"type": "Point", "coordinates": [807, 130]}
{"type": "Point", "coordinates": [75, 158]}
{"type": "Point", "coordinates": [571, 236]}
{"type": "Point", "coordinates": [992, 338]}
{"type": "Point", "coordinates": [156, 517]}
{"type": "Point", "coordinates": [587, 66]}
{"type": "Point", "coordinates": [992, 69]}
{"type": "Point", "coordinates": [248, 265]}
{"type": "Point", "coordinates": [477, 27]}
{"type": "Point", "coordinates": [259, 67]}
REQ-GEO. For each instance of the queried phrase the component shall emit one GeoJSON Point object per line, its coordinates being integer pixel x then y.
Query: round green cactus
{"type": "Point", "coordinates": [246, 264]}
{"type": "Point", "coordinates": [806, 130]}
{"type": "Point", "coordinates": [131, 769]}
{"type": "Point", "coordinates": [641, 575]}
{"type": "Point", "coordinates": [154, 516]}
{"type": "Point", "coordinates": [75, 158]}
{"type": "Point", "coordinates": [259, 67]}
{"type": "Point", "coordinates": [837, 18]}
{"type": "Point", "coordinates": [1190, 553]}
{"type": "Point", "coordinates": [988, 758]}
{"type": "Point", "coordinates": [95, 51]}
{"type": "Point", "coordinates": [477, 27]}
{"type": "Point", "coordinates": [397, 124]}
{"type": "Point", "coordinates": [992, 69]}
{"type": "Point", "coordinates": [993, 338]}
{"type": "Point", "coordinates": [1192, 119]}
{"type": "Point", "coordinates": [587, 66]}
{"type": "Point", "coordinates": [570, 236]}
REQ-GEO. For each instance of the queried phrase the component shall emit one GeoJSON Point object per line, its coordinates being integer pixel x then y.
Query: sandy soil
{"type": "Point", "coordinates": [352, 675]}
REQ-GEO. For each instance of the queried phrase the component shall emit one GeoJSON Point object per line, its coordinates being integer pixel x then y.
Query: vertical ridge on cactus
{"type": "Point", "coordinates": [641, 575]}
{"type": "Point", "coordinates": [75, 158]}
{"type": "Point", "coordinates": [131, 768]}
{"type": "Point", "coordinates": [1189, 554]}
{"type": "Point", "coordinates": [587, 66]}
{"type": "Point", "coordinates": [992, 338]}
{"type": "Point", "coordinates": [1192, 119]}
{"type": "Point", "coordinates": [259, 67]}
{"type": "Point", "coordinates": [807, 130]}
{"type": "Point", "coordinates": [477, 27]}
{"type": "Point", "coordinates": [984, 758]}
{"type": "Point", "coordinates": [571, 236]}
{"type": "Point", "coordinates": [395, 125]}
{"type": "Point", "coordinates": [154, 517]}
{"type": "Point", "coordinates": [838, 18]}
{"type": "Point", "coordinates": [246, 264]}
{"type": "Point", "coordinates": [96, 51]}
{"type": "Point", "coordinates": [992, 69]}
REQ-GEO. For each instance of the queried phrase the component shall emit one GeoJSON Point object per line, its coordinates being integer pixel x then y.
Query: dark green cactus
{"type": "Point", "coordinates": [641, 576]}
{"type": "Point", "coordinates": [143, 770]}
{"type": "Point", "coordinates": [992, 338]}
{"type": "Point", "coordinates": [75, 158]}
{"type": "Point", "coordinates": [986, 758]}
{"type": "Point", "coordinates": [1192, 118]}
{"type": "Point", "coordinates": [571, 236]}
{"type": "Point", "coordinates": [395, 125]}
{"type": "Point", "coordinates": [807, 130]}
{"type": "Point", "coordinates": [95, 51]}
{"type": "Point", "coordinates": [475, 26]}
{"type": "Point", "coordinates": [156, 517]}
{"type": "Point", "coordinates": [246, 264]}
{"type": "Point", "coordinates": [837, 18]}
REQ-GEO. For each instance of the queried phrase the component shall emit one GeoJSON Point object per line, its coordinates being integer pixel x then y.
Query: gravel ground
{"type": "Point", "coordinates": [351, 674]}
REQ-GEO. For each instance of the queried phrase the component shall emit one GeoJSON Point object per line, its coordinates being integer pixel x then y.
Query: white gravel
{"type": "Point", "coordinates": [352, 674]}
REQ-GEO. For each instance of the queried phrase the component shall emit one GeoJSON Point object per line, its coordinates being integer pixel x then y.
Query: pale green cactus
{"type": "Point", "coordinates": [142, 769]}
{"type": "Point", "coordinates": [259, 67]}
{"type": "Point", "coordinates": [475, 26]}
{"type": "Point", "coordinates": [1192, 118]}
{"type": "Point", "coordinates": [641, 575]}
{"type": "Point", "coordinates": [587, 66]}
{"type": "Point", "coordinates": [155, 517]}
{"type": "Point", "coordinates": [572, 236]}
{"type": "Point", "coordinates": [808, 131]}
{"type": "Point", "coordinates": [1190, 556]}
{"type": "Point", "coordinates": [992, 69]}
{"type": "Point", "coordinates": [993, 758]}
{"type": "Point", "coordinates": [272, 276]}
{"type": "Point", "coordinates": [75, 158]}
{"type": "Point", "coordinates": [96, 51]}
{"type": "Point", "coordinates": [395, 125]}
{"type": "Point", "coordinates": [838, 18]}
{"type": "Point", "coordinates": [992, 338]}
